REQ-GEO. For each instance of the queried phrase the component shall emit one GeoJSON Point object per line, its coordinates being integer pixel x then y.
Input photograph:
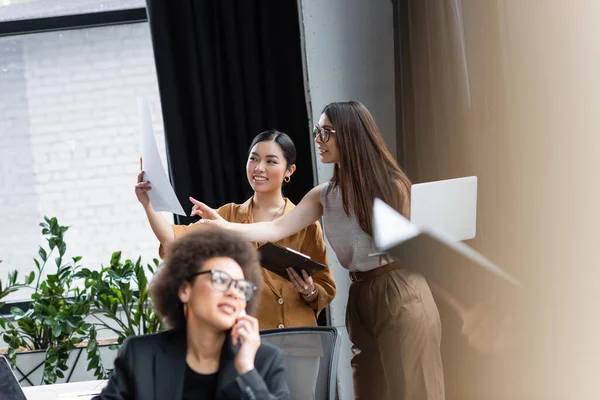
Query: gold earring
{"type": "Point", "coordinates": [185, 310]}
{"type": "Point", "coordinates": [287, 179]}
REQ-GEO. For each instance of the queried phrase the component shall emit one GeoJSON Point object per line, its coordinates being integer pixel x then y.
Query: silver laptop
{"type": "Point", "coordinates": [9, 385]}
{"type": "Point", "coordinates": [449, 206]}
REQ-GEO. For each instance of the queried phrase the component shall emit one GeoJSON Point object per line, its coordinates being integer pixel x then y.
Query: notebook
{"type": "Point", "coordinates": [277, 258]}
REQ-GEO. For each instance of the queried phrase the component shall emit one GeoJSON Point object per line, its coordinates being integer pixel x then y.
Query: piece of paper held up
{"type": "Point", "coordinates": [162, 196]}
{"type": "Point", "coordinates": [460, 270]}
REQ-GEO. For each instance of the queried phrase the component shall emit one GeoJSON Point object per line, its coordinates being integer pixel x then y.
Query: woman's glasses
{"type": "Point", "coordinates": [222, 282]}
{"type": "Point", "coordinates": [323, 133]}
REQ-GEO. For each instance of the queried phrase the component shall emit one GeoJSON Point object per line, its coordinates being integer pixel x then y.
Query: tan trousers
{"type": "Point", "coordinates": [395, 329]}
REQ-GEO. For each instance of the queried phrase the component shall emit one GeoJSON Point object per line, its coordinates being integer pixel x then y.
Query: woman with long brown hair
{"type": "Point", "coordinates": [391, 316]}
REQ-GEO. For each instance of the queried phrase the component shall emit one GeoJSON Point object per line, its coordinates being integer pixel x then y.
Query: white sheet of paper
{"type": "Point", "coordinates": [390, 227]}
{"type": "Point", "coordinates": [456, 267]}
{"type": "Point", "coordinates": [162, 195]}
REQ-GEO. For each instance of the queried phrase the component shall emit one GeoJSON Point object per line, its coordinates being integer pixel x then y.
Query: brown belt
{"type": "Point", "coordinates": [359, 276]}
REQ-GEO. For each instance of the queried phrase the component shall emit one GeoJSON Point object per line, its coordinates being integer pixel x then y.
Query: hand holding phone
{"type": "Point", "coordinates": [242, 330]}
{"type": "Point", "coordinates": [245, 334]}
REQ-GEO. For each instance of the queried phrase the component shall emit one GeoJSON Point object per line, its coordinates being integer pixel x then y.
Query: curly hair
{"type": "Point", "coordinates": [187, 256]}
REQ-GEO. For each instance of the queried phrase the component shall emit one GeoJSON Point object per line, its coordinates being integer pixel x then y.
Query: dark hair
{"type": "Point", "coordinates": [187, 256]}
{"type": "Point", "coordinates": [366, 169]}
{"type": "Point", "coordinates": [283, 140]}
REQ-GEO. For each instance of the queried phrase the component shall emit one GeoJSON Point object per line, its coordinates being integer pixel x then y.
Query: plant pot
{"type": "Point", "coordinates": [78, 364]}
{"type": "Point", "coordinates": [30, 365]}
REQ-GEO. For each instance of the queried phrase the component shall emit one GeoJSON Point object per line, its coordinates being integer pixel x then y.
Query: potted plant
{"type": "Point", "coordinates": [119, 294]}
{"type": "Point", "coordinates": [54, 324]}
{"type": "Point", "coordinates": [69, 307]}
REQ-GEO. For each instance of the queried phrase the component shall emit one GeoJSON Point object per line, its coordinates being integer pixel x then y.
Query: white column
{"type": "Point", "coordinates": [349, 55]}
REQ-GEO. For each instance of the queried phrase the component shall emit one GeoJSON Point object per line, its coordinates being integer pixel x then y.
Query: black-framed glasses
{"type": "Point", "coordinates": [222, 281]}
{"type": "Point", "coordinates": [323, 133]}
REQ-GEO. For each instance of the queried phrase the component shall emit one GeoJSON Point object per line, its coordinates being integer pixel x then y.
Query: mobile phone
{"type": "Point", "coordinates": [242, 313]}
{"type": "Point", "coordinates": [236, 348]}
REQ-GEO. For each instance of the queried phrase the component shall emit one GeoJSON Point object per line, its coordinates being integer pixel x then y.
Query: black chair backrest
{"type": "Point", "coordinates": [303, 344]}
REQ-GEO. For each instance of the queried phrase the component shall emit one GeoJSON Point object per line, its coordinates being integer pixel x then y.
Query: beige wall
{"type": "Point", "coordinates": [509, 90]}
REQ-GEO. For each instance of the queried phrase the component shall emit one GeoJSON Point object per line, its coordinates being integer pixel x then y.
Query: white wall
{"type": "Point", "coordinates": [349, 48]}
{"type": "Point", "coordinates": [69, 141]}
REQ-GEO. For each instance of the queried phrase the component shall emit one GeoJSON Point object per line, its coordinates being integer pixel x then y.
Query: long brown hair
{"type": "Point", "coordinates": [366, 168]}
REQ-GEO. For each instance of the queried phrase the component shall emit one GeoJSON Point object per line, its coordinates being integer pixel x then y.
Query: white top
{"type": "Point", "coordinates": [351, 244]}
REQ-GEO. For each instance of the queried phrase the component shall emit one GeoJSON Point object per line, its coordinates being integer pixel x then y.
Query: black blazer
{"type": "Point", "coordinates": [152, 367]}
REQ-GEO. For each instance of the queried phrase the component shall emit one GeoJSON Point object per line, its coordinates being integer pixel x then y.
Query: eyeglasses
{"type": "Point", "coordinates": [323, 133]}
{"type": "Point", "coordinates": [222, 282]}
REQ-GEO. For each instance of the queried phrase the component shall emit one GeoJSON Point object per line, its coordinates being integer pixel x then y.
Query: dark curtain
{"type": "Point", "coordinates": [406, 149]}
{"type": "Point", "coordinates": [228, 70]}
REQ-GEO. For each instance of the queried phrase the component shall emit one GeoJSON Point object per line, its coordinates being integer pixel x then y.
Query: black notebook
{"type": "Point", "coordinates": [277, 259]}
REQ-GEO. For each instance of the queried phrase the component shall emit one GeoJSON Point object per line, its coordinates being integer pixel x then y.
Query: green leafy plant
{"type": "Point", "coordinates": [55, 320]}
{"type": "Point", "coordinates": [116, 296]}
{"type": "Point", "coordinates": [119, 293]}
{"type": "Point", "coordinates": [11, 285]}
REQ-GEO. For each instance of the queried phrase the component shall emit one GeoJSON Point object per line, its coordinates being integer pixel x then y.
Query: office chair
{"type": "Point", "coordinates": [311, 355]}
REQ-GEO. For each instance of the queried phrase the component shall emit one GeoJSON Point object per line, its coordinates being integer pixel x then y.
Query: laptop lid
{"type": "Point", "coordinates": [449, 206]}
{"type": "Point", "coordinates": [9, 385]}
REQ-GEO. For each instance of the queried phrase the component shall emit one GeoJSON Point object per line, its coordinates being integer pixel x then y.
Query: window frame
{"type": "Point", "coordinates": [75, 21]}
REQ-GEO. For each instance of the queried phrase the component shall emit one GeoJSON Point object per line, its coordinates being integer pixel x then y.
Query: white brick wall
{"type": "Point", "coordinates": [69, 141]}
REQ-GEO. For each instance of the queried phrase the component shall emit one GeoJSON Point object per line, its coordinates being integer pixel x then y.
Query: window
{"type": "Point", "coordinates": [70, 141]}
